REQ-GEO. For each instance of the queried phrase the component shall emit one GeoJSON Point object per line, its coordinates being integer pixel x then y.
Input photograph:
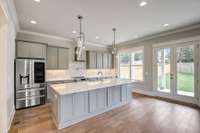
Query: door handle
{"type": "Point", "coordinates": [171, 76]}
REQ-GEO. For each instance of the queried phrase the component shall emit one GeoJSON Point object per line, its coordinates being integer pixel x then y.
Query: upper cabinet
{"type": "Point", "coordinates": [52, 58]}
{"type": "Point", "coordinates": [25, 49]}
{"type": "Point", "coordinates": [57, 58]}
{"type": "Point", "coordinates": [91, 58]}
{"type": "Point", "coordinates": [99, 60]}
{"type": "Point", "coordinates": [63, 58]}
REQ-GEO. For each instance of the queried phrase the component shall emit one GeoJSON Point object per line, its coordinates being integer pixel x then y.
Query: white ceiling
{"type": "Point", "coordinates": [58, 17]}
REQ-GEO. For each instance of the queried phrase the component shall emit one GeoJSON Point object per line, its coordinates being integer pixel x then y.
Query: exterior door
{"type": "Point", "coordinates": [176, 71]}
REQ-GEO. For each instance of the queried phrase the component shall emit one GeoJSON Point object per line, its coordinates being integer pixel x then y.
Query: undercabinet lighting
{"type": "Point", "coordinates": [74, 32]}
{"type": "Point", "coordinates": [165, 25]}
{"type": "Point", "coordinates": [143, 3]}
{"type": "Point", "coordinates": [97, 37]}
{"type": "Point", "coordinates": [37, 0]}
{"type": "Point", "coordinates": [33, 22]}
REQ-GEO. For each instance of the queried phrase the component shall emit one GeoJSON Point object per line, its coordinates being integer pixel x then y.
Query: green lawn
{"type": "Point", "coordinates": [185, 82]}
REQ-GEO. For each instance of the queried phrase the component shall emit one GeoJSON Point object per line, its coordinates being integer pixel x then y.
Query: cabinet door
{"type": "Point", "coordinates": [23, 50]}
{"type": "Point", "coordinates": [80, 104]}
{"type": "Point", "coordinates": [101, 99]}
{"type": "Point", "coordinates": [52, 58]}
{"type": "Point", "coordinates": [92, 60]}
{"type": "Point", "coordinates": [114, 96]}
{"type": "Point", "coordinates": [63, 58]}
{"type": "Point", "coordinates": [105, 60]}
{"type": "Point", "coordinates": [99, 60]}
{"type": "Point", "coordinates": [129, 92]}
{"type": "Point", "coordinates": [66, 107]}
{"type": "Point", "coordinates": [38, 51]}
{"type": "Point", "coordinates": [93, 101]}
{"type": "Point", "coordinates": [124, 93]}
{"type": "Point", "coordinates": [110, 61]}
{"type": "Point", "coordinates": [97, 100]}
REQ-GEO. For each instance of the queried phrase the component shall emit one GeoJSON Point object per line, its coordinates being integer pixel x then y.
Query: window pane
{"type": "Point", "coordinates": [124, 59]}
{"type": "Point", "coordinates": [163, 69]}
{"type": "Point", "coordinates": [137, 58]}
{"type": "Point", "coordinates": [185, 70]}
{"type": "Point", "coordinates": [125, 72]}
{"type": "Point", "coordinates": [124, 65]}
{"type": "Point", "coordinates": [137, 72]}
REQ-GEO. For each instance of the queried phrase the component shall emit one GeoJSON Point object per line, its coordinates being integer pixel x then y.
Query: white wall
{"type": "Point", "coordinates": [147, 85]}
{"type": "Point", "coordinates": [7, 50]}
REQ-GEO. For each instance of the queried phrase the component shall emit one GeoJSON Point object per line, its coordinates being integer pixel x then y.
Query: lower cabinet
{"type": "Point", "coordinates": [66, 108]}
{"type": "Point", "coordinates": [114, 96]}
{"type": "Point", "coordinates": [124, 93]}
{"type": "Point", "coordinates": [80, 104]}
{"type": "Point", "coordinates": [97, 100]}
{"type": "Point", "coordinates": [73, 106]}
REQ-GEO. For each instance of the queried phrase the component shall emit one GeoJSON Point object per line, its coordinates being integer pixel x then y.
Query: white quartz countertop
{"type": "Point", "coordinates": [75, 87]}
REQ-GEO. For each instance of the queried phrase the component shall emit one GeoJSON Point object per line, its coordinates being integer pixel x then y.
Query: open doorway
{"type": "Point", "coordinates": [3, 93]}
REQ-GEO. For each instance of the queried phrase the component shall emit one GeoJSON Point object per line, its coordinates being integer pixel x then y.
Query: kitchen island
{"type": "Point", "coordinates": [77, 101]}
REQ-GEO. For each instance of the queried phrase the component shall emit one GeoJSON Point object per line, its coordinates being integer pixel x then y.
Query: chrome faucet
{"type": "Point", "coordinates": [100, 74]}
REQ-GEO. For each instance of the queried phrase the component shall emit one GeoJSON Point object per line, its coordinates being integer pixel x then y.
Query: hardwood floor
{"type": "Point", "coordinates": [142, 115]}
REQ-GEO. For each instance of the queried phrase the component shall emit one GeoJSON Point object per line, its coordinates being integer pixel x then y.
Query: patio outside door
{"type": "Point", "coordinates": [176, 70]}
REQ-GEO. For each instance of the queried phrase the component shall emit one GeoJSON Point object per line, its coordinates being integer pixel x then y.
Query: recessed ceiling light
{"type": "Point", "coordinates": [136, 36]}
{"type": "Point", "coordinates": [97, 37]}
{"type": "Point", "coordinates": [143, 3]}
{"type": "Point", "coordinates": [74, 32]}
{"type": "Point", "coordinates": [165, 25]}
{"type": "Point", "coordinates": [37, 0]}
{"type": "Point", "coordinates": [33, 22]}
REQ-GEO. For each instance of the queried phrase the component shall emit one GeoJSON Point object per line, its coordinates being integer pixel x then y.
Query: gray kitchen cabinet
{"type": "Point", "coordinates": [57, 58]}
{"type": "Point", "coordinates": [124, 93]}
{"type": "Point", "coordinates": [80, 104]}
{"type": "Point", "coordinates": [129, 92]}
{"type": "Point", "coordinates": [91, 59]}
{"type": "Point", "coordinates": [97, 100]}
{"type": "Point", "coordinates": [63, 58]}
{"type": "Point", "coordinates": [99, 60]}
{"type": "Point", "coordinates": [110, 61]}
{"type": "Point", "coordinates": [38, 51]}
{"type": "Point", "coordinates": [25, 49]}
{"type": "Point", "coordinates": [52, 58]}
{"type": "Point", "coordinates": [114, 96]}
{"type": "Point", "coordinates": [66, 108]}
{"type": "Point", "coordinates": [105, 60]}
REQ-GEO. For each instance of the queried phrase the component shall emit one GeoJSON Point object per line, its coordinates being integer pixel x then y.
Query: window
{"type": "Point", "coordinates": [131, 65]}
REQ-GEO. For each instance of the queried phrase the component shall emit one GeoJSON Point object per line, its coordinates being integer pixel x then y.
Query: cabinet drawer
{"type": "Point", "coordinates": [32, 101]}
{"type": "Point", "coordinates": [29, 93]}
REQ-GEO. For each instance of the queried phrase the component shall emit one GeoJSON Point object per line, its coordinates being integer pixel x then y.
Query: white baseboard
{"type": "Point", "coordinates": [11, 118]}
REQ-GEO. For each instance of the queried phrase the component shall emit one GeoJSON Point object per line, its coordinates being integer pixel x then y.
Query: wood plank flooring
{"type": "Point", "coordinates": [142, 115]}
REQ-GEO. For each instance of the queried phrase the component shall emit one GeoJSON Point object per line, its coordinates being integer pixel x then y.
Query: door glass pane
{"type": "Point", "coordinates": [124, 64]}
{"type": "Point", "coordinates": [185, 70]}
{"type": "Point", "coordinates": [163, 70]}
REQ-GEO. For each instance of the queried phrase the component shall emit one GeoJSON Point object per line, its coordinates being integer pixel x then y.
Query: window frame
{"type": "Point", "coordinates": [130, 51]}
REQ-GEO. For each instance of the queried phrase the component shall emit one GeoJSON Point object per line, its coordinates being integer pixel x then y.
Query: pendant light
{"type": "Point", "coordinates": [114, 47]}
{"type": "Point", "coordinates": [80, 39]}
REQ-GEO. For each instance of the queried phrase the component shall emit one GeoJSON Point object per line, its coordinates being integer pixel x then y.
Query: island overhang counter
{"type": "Point", "coordinates": [77, 101]}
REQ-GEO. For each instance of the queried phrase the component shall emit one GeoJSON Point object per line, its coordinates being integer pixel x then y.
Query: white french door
{"type": "Point", "coordinates": [176, 70]}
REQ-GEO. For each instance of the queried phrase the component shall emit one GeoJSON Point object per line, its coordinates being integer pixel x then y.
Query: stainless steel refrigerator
{"type": "Point", "coordinates": [30, 87]}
